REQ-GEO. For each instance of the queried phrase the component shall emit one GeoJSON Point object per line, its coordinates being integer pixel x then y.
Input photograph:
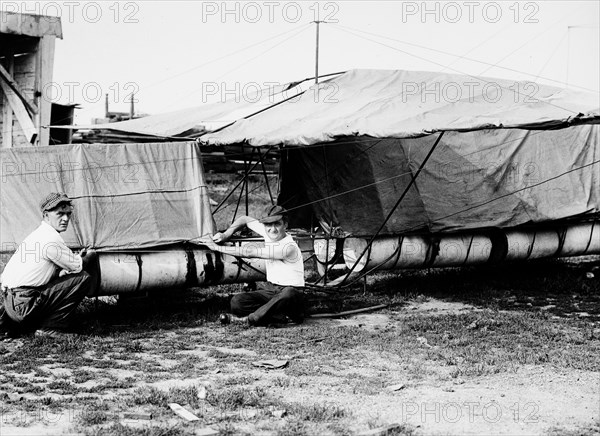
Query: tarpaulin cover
{"type": "Point", "coordinates": [125, 195]}
{"type": "Point", "coordinates": [405, 104]}
{"type": "Point", "coordinates": [192, 122]}
{"type": "Point", "coordinates": [499, 178]}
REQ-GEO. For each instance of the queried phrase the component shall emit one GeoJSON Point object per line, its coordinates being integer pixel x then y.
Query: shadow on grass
{"type": "Point", "coordinates": [558, 287]}
{"type": "Point", "coordinates": [562, 288]}
{"type": "Point", "coordinates": [166, 309]}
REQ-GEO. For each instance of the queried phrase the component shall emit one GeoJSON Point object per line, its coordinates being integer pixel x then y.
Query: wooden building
{"type": "Point", "coordinates": [26, 63]}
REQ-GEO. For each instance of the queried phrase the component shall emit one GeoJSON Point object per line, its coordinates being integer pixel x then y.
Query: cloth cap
{"type": "Point", "coordinates": [54, 199]}
{"type": "Point", "coordinates": [272, 214]}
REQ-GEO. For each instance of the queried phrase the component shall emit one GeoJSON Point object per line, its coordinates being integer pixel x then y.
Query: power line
{"type": "Point", "coordinates": [342, 27]}
{"type": "Point", "coordinates": [462, 72]}
{"type": "Point", "coordinates": [298, 31]}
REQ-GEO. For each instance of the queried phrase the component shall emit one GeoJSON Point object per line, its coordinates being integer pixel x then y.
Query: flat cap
{"type": "Point", "coordinates": [272, 214]}
{"type": "Point", "coordinates": [54, 199]}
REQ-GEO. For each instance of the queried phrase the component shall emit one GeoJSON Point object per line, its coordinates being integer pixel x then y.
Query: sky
{"type": "Point", "coordinates": [175, 55]}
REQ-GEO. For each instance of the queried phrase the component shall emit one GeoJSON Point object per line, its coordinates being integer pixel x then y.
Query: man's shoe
{"type": "Point", "coordinates": [227, 318]}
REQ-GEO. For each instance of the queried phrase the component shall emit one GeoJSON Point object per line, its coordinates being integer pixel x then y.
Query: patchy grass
{"type": "Point", "coordinates": [139, 355]}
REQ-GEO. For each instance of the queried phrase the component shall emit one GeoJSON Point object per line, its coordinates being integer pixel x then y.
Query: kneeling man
{"type": "Point", "coordinates": [44, 281]}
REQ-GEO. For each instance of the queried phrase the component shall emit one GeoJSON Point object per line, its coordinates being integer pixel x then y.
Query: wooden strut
{"type": "Point", "coordinates": [238, 184]}
{"type": "Point", "coordinates": [264, 171]}
{"type": "Point", "coordinates": [18, 108]}
{"type": "Point", "coordinates": [389, 215]}
{"type": "Point", "coordinates": [246, 163]}
{"type": "Point", "coordinates": [6, 76]}
{"type": "Point", "coordinates": [245, 185]}
{"type": "Point", "coordinates": [330, 214]}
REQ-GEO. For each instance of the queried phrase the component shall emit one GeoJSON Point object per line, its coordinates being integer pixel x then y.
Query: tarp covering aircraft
{"type": "Point", "coordinates": [195, 121]}
{"type": "Point", "coordinates": [508, 155]}
{"type": "Point", "coordinates": [406, 104]}
{"type": "Point", "coordinates": [126, 196]}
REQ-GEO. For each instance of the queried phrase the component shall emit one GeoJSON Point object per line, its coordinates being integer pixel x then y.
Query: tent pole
{"type": "Point", "coordinates": [317, 56]}
{"type": "Point", "coordinates": [391, 212]}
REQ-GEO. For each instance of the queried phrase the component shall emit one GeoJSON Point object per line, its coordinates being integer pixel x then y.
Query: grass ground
{"type": "Point", "coordinates": [506, 350]}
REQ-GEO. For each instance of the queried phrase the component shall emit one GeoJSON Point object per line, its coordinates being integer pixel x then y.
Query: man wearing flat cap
{"type": "Point", "coordinates": [44, 281]}
{"type": "Point", "coordinates": [280, 298]}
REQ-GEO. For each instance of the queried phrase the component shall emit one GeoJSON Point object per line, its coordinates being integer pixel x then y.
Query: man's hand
{"type": "Point", "coordinates": [220, 237]}
{"type": "Point", "coordinates": [83, 252]}
{"type": "Point", "coordinates": [206, 240]}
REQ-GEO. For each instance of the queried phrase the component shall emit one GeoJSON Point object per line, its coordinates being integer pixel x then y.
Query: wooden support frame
{"type": "Point", "coordinates": [18, 108]}
{"type": "Point", "coordinates": [6, 76]}
{"type": "Point", "coordinates": [7, 113]}
{"type": "Point", "coordinates": [247, 173]}
{"type": "Point", "coordinates": [28, 57]}
{"type": "Point", "coordinates": [44, 65]}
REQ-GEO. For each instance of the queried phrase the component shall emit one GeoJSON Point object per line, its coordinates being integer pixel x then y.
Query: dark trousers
{"type": "Point", "coordinates": [53, 305]}
{"type": "Point", "coordinates": [270, 303]}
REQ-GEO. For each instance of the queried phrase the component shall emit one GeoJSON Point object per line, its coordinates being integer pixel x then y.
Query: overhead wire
{"type": "Point", "coordinates": [551, 55]}
{"type": "Point", "coordinates": [461, 72]}
{"type": "Point", "coordinates": [297, 32]}
{"type": "Point", "coordinates": [472, 49]}
{"type": "Point", "coordinates": [527, 41]}
{"type": "Point", "coordinates": [447, 53]}
{"type": "Point", "coordinates": [243, 49]}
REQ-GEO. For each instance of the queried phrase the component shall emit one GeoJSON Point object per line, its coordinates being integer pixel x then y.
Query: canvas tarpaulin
{"type": "Point", "coordinates": [125, 195]}
{"type": "Point", "coordinates": [194, 121]}
{"type": "Point", "coordinates": [404, 104]}
{"type": "Point", "coordinates": [487, 178]}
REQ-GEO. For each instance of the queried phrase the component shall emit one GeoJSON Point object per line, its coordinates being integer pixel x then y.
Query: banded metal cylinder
{"type": "Point", "coordinates": [326, 252]}
{"type": "Point", "coordinates": [418, 251]}
{"type": "Point", "coordinates": [443, 250]}
{"type": "Point", "coordinates": [389, 252]}
{"type": "Point", "coordinates": [145, 270]}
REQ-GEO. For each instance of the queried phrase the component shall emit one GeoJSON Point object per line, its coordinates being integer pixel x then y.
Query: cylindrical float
{"type": "Point", "coordinates": [327, 253]}
{"type": "Point", "coordinates": [444, 250]}
{"type": "Point", "coordinates": [147, 270]}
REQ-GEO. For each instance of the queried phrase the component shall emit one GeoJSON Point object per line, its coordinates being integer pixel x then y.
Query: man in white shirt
{"type": "Point", "coordinates": [44, 281]}
{"type": "Point", "coordinates": [281, 297]}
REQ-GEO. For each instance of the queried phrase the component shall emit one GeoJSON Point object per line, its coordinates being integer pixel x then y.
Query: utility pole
{"type": "Point", "coordinates": [317, 55]}
{"type": "Point", "coordinates": [131, 107]}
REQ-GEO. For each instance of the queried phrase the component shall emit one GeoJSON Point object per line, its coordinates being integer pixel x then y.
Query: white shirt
{"type": "Point", "coordinates": [41, 256]}
{"type": "Point", "coordinates": [286, 272]}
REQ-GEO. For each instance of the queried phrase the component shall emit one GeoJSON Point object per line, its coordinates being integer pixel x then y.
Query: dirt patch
{"type": "Point", "coordinates": [431, 365]}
